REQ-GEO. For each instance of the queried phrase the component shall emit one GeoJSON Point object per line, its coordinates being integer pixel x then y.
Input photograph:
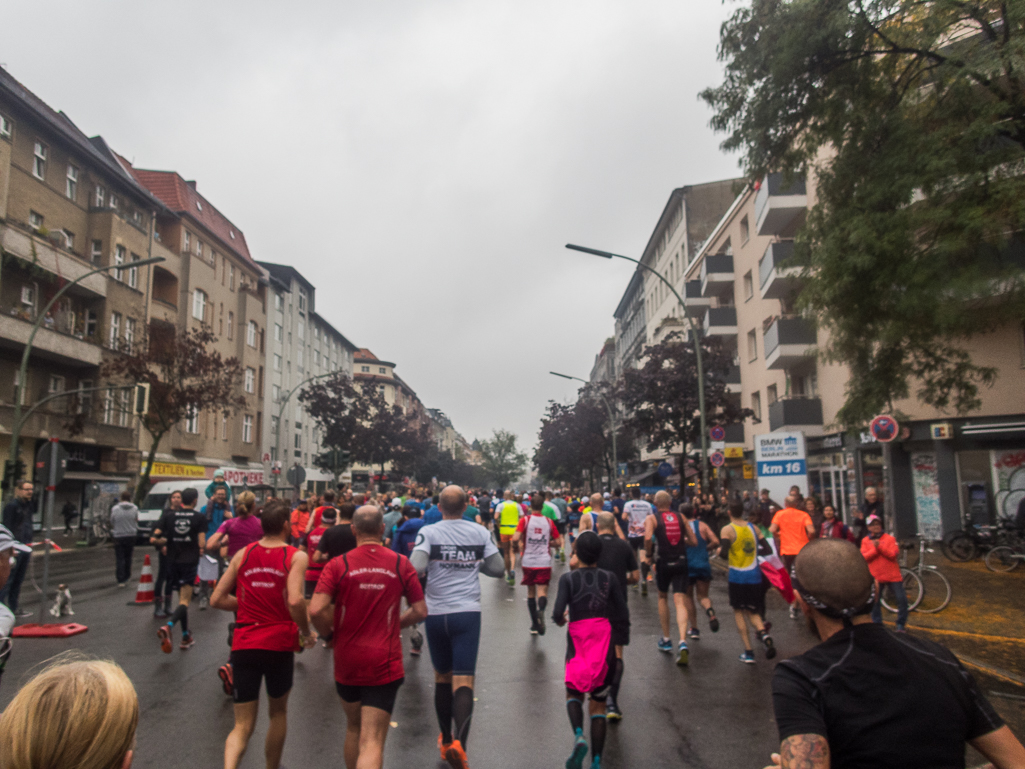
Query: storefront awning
{"type": "Point", "coordinates": [993, 428]}
{"type": "Point", "coordinates": [98, 477]}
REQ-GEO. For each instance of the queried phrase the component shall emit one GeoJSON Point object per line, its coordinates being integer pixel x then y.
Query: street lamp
{"type": "Point", "coordinates": [281, 411]}
{"type": "Point", "coordinates": [612, 420]}
{"type": "Point", "coordinates": [23, 371]}
{"type": "Point", "coordinates": [697, 352]}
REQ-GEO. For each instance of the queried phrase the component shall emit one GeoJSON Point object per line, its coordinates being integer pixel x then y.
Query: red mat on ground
{"type": "Point", "coordinates": [35, 630]}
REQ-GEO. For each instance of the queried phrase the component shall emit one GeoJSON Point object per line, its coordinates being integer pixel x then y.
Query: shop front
{"type": "Point", "coordinates": [841, 466]}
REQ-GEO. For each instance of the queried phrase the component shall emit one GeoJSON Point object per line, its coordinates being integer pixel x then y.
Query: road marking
{"type": "Point", "coordinates": [1003, 675]}
{"type": "Point", "coordinates": [963, 634]}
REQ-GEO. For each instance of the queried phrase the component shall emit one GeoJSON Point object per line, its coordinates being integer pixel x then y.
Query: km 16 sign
{"type": "Point", "coordinates": [781, 463]}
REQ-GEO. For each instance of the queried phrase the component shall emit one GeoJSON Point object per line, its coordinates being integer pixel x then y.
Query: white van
{"type": "Point", "coordinates": [157, 499]}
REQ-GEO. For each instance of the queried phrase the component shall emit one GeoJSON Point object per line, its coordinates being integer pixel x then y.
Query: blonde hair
{"type": "Point", "coordinates": [75, 713]}
{"type": "Point", "coordinates": [245, 501]}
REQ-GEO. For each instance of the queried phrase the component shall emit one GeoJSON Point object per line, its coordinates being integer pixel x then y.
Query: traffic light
{"type": "Point", "coordinates": [140, 399]}
{"type": "Point", "coordinates": [13, 472]}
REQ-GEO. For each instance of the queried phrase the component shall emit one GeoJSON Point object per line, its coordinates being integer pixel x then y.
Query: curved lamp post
{"type": "Point", "coordinates": [612, 421]}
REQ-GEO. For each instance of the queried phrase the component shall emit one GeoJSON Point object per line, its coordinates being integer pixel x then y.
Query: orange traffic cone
{"type": "Point", "coordinates": [145, 592]}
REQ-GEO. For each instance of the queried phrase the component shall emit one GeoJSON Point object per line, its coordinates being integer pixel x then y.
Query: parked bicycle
{"type": "Point", "coordinates": [1005, 557]}
{"type": "Point", "coordinates": [961, 546]}
{"type": "Point", "coordinates": [927, 588]}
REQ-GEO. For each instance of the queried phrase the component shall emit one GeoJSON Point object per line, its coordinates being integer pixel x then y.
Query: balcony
{"type": "Point", "coordinates": [51, 419]}
{"type": "Point", "coordinates": [735, 433]}
{"type": "Point", "coordinates": [49, 343]}
{"type": "Point", "coordinates": [780, 208]}
{"type": "Point", "coordinates": [733, 379]}
{"type": "Point", "coordinates": [777, 278]}
{"type": "Point", "coordinates": [721, 322]}
{"type": "Point", "coordinates": [696, 303]}
{"type": "Point", "coordinates": [716, 274]}
{"type": "Point", "coordinates": [796, 414]}
{"type": "Point", "coordinates": [788, 343]}
{"type": "Point", "coordinates": [56, 261]}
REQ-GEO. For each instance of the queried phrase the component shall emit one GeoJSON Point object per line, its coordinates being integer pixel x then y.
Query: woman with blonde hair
{"type": "Point", "coordinates": [76, 712]}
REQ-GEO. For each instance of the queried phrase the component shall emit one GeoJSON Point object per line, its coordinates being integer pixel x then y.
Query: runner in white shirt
{"type": "Point", "coordinates": [539, 536]}
{"type": "Point", "coordinates": [451, 553]}
{"type": "Point", "coordinates": [636, 512]}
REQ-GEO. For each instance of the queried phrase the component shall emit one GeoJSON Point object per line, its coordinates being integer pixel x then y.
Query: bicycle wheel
{"type": "Point", "coordinates": [1002, 559]}
{"type": "Point", "coordinates": [936, 591]}
{"type": "Point", "coordinates": [912, 588]}
{"type": "Point", "coordinates": [959, 547]}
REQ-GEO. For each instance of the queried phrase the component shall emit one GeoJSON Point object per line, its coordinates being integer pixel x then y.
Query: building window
{"type": "Point", "coordinates": [279, 332]}
{"type": "Point", "coordinates": [85, 399]}
{"type": "Point", "coordinates": [199, 305]}
{"type": "Point", "coordinates": [277, 362]}
{"type": "Point", "coordinates": [100, 196]}
{"type": "Point", "coordinates": [69, 239]}
{"type": "Point", "coordinates": [224, 427]}
{"type": "Point", "coordinates": [108, 407]}
{"type": "Point", "coordinates": [91, 322]}
{"type": "Point", "coordinates": [187, 245]}
{"type": "Point", "coordinates": [745, 230]}
{"type": "Point", "coordinates": [302, 301]}
{"type": "Point", "coordinates": [752, 345]}
{"type": "Point", "coordinates": [316, 332]}
{"type": "Point", "coordinates": [279, 302]}
{"type": "Point", "coordinates": [749, 285]}
{"type": "Point", "coordinates": [275, 393]}
{"type": "Point", "coordinates": [275, 425]}
{"type": "Point", "coordinates": [251, 333]}
{"type": "Point", "coordinates": [316, 357]}
{"type": "Point", "coordinates": [771, 395]}
{"type": "Point", "coordinates": [5, 127]}
{"type": "Point", "coordinates": [382, 370]}
{"type": "Point", "coordinates": [115, 330]}
{"type": "Point", "coordinates": [35, 220]}
{"type": "Point", "coordinates": [365, 369]}
{"type": "Point", "coordinates": [231, 277]}
{"type": "Point", "coordinates": [96, 251]}
{"type": "Point", "coordinates": [113, 202]}
{"type": "Point", "coordinates": [231, 324]}
{"type": "Point", "coordinates": [133, 273]}
{"type": "Point", "coordinates": [199, 248]}
{"type": "Point", "coordinates": [119, 258]}
{"type": "Point", "coordinates": [300, 329]}
{"type": "Point", "coordinates": [129, 332]}
{"type": "Point", "coordinates": [249, 380]}
{"type": "Point", "coordinates": [299, 358]}
{"type": "Point", "coordinates": [124, 406]}
{"type": "Point", "coordinates": [192, 420]}
{"type": "Point", "coordinates": [247, 429]}
{"type": "Point", "coordinates": [756, 406]}
{"type": "Point", "coordinates": [71, 185]}
{"type": "Point", "coordinates": [39, 161]}
{"type": "Point", "coordinates": [56, 384]}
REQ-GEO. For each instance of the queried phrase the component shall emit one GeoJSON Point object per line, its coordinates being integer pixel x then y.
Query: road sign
{"type": "Point", "coordinates": [718, 459]}
{"type": "Point", "coordinates": [735, 452]}
{"type": "Point", "coordinates": [276, 470]}
{"type": "Point", "coordinates": [780, 462]}
{"type": "Point", "coordinates": [43, 463]}
{"type": "Point", "coordinates": [884, 428]}
{"type": "Point", "coordinates": [665, 470]}
{"type": "Point", "coordinates": [717, 445]}
{"type": "Point", "coordinates": [296, 475]}
{"type": "Point", "coordinates": [717, 433]}
{"type": "Point", "coordinates": [749, 471]}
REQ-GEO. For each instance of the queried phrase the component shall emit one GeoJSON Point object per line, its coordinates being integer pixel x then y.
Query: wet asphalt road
{"type": "Point", "coordinates": [715, 713]}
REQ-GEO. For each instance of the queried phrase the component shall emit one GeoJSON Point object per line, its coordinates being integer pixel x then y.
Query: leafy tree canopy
{"type": "Point", "coordinates": [503, 461]}
{"type": "Point", "coordinates": [911, 116]}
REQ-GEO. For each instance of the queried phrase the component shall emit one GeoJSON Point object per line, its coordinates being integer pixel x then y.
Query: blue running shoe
{"type": "Point", "coordinates": [596, 762]}
{"type": "Point", "coordinates": [748, 658]}
{"type": "Point", "coordinates": [683, 654]}
{"type": "Point", "coordinates": [665, 645]}
{"type": "Point", "coordinates": [576, 759]}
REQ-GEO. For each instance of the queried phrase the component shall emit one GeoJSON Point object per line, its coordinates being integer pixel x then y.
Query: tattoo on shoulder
{"type": "Point", "coordinates": [804, 751]}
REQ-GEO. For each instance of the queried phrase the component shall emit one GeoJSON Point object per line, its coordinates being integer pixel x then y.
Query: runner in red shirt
{"type": "Point", "coordinates": [539, 535]}
{"type": "Point", "coordinates": [314, 570]}
{"type": "Point", "coordinates": [272, 624]}
{"type": "Point", "coordinates": [358, 599]}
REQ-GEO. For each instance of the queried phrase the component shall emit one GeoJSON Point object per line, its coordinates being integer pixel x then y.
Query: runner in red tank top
{"type": "Point", "coordinates": [314, 570]}
{"type": "Point", "coordinates": [272, 624]}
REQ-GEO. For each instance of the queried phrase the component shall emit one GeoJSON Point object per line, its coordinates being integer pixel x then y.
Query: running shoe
{"type": "Point", "coordinates": [900, 629]}
{"type": "Point", "coordinates": [187, 641]}
{"type": "Point", "coordinates": [713, 621]}
{"type": "Point", "coordinates": [683, 654]}
{"type": "Point", "coordinates": [793, 611]}
{"type": "Point", "coordinates": [644, 589]}
{"type": "Point", "coordinates": [665, 645]}
{"type": "Point", "coordinates": [224, 671]}
{"type": "Point", "coordinates": [164, 634]}
{"type": "Point", "coordinates": [204, 601]}
{"type": "Point", "coordinates": [456, 756]}
{"type": "Point", "coordinates": [612, 712]}
{"type": "Point", "coordinates": [596, 762]}
{"type": "Point", "coordinates": [541, 623]}
{"type": "Point", "coordinates": [533, 629]}
{"type": "Point", "coordinates": [770, 648]}
{"type": "Point", "coordinates": [511, 579]}
{"type": "Point", "coordinates": [748, 657]}
{"type": "Point", "coordinates": [694, 634]}
{"type": "Point", "coordinates": [576, 758]}
{"type": "Point", "coordinates": [416, 643]}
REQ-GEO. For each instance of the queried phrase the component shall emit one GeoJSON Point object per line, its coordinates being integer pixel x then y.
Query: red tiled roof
{"type": "Point", "coordinates": [181, 197]}
{"type": "Point", "coordinates": [364, 354]}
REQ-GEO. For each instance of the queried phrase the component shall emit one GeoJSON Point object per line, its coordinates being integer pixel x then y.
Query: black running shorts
{"type": "Point", "coordinates": [671, 577]}
{"type": "Point", "coordinates": [749, 597]}
{"type": "Point", "coordinates": [249, 666]}
{"type": "Point", "coordinates": [380, 697]}
{"type": "Point", "coordinates": [180, 575]}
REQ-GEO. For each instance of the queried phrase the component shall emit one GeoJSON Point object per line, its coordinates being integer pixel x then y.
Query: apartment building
{"type": "Point", "coordinates": [209, 279]}
{"type": "Point", "coordinates": [67, 207]}
{"type": "Point", "coordinates": [303, 346]}
{"type": "Point", "coordinates": [741, 287]}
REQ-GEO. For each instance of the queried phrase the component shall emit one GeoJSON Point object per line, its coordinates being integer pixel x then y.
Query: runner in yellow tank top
{"type": "Point", "coordinates": [508, 514]}
{"type": "Point", "coordinates": [740, 549]}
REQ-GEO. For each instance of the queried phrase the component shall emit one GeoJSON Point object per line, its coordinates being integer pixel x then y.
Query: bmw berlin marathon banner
{"type": "Point", "coordinates": [781, 464]}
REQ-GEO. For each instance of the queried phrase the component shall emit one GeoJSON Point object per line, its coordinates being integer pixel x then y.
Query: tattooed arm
{"type": "Point", "coordinates": [802, 751]}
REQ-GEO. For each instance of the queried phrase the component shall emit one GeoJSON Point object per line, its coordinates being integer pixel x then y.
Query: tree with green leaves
{"type": "Point", "coordinates": [910, 118]}
{"type": "Point", "coordinates": [503, 461]}
{"type": "Point", "coordinates": [661, 397]}
{"type": "Point", "coordinates": [338, 408]}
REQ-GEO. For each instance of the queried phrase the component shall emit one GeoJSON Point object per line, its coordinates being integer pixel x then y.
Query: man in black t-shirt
{"type": "Point", "coordinates": [183, 531]}
{"type": "Point", "coordinates": [867, 696]}
{"type": "Point", "coordinates": [618, 557]}
{"type": "Point", "coordinates": [338, 539]}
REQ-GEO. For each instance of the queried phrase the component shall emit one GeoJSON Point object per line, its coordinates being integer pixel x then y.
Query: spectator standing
{"type": "Point", "coordinates": [880, 551]}
{"type": "Point", "coordinates": [69, 512]}
{"type": "Point", "coordinates": [765, 505]}
{"type": "Point", "coordinates": [218, 483]}
{"type": "Point", "coordinates": [832, 527]}
{"type": "Point", "coordinates": [873, 505]}
{"type": "Point", "coordinates": [124, 528]}
{"type": "Point", "coordinates": [17, 517]}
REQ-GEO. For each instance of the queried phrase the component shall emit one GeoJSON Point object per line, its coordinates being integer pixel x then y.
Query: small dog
{"type": "Point", "coordinates": [62, 602]}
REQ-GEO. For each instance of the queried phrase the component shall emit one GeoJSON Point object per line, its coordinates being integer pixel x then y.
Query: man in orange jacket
{"type": "Point", "coordinates": [880, 550]}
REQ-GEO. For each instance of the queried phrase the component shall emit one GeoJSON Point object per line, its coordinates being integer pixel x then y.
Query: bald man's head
{"type": "Point", "coordinates": [834, 572]}
{"type": "Point", "coordinates": [368, 521]}
{"type": "Point", "coordinates": [597, 501]}
{"type": "Point", "coordinates": [663, 500]}
{"type": "Point", "coordinates": [452, 501]}
{"type": "Point", "coordinates": [606, 523]}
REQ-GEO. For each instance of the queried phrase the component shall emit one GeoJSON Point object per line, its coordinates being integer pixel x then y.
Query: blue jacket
{"type": "Point", "coordinates": [214, 485]}
{"type": "Point", "coordinates": [405, 536]}
{"type": "Point", "coordinates": [433, 515]}
{"type": "Point", "coordinates": [214, 517]}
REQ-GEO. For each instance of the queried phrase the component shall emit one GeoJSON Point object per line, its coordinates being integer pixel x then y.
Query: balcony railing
{"type": "Point", "coordinates": [776, 277]}
{"type": "Point", "coordinates": [696, 303]}
{"type": "Point", "coordinates": [720, 321]}
{"type": "Point", "coordinates": [735, 433]}
{"type": "Point", "coordinates": [40, 253]}
{"type": "Point", "coordinates": [788, 342]}
{"type": "Point", "coordinates": [780, 207]}
{"type": "Point", "coordinates": [796, 413]}
{"type": "Point", "coordinates": [716, 273]}
{"type": "Point", "coordinates": [50, 343]}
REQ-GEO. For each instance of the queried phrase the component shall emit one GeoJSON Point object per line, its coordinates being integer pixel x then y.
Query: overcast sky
{"type": "Point", "coordinates": [422, 164]}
